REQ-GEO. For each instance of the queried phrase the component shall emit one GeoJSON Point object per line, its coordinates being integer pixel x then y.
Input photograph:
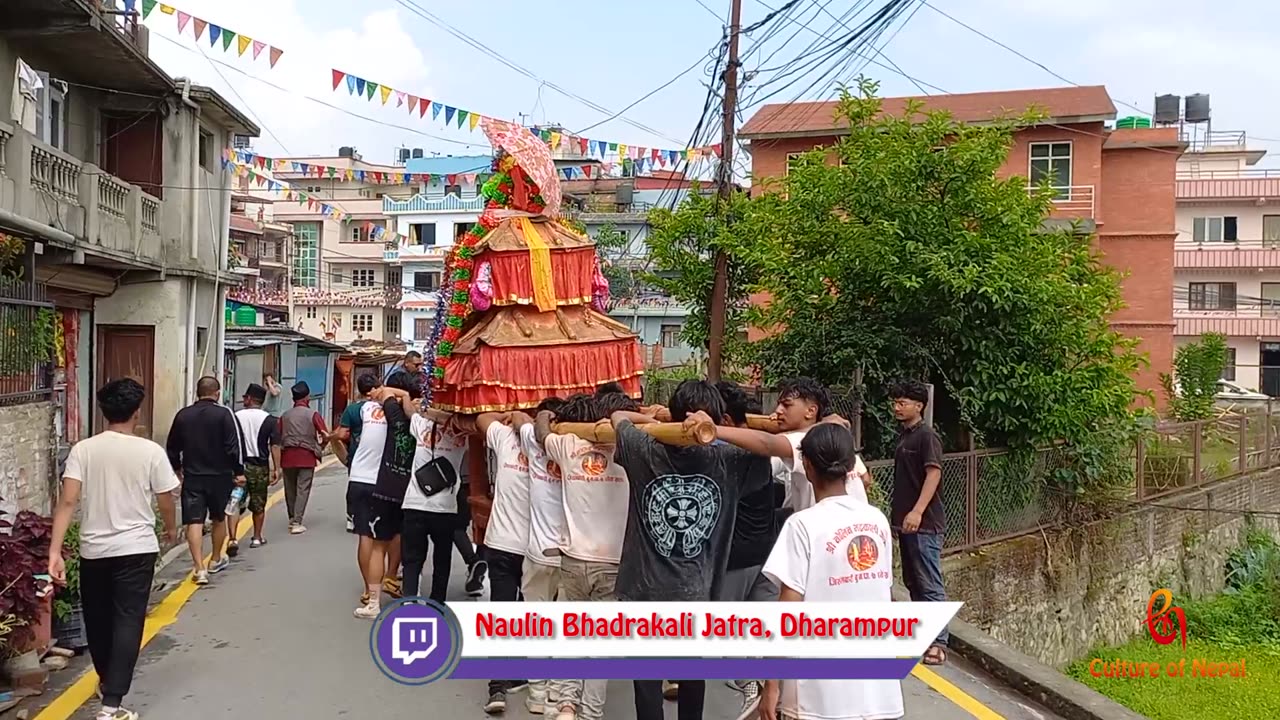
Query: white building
{"type": "Point", "coordinates": [431, 223]}
{"type": "Point", "coordinates": [1227, 261]}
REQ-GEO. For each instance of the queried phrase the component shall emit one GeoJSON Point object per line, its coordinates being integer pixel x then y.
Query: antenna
{"type": "Point", "coordinates": [522, 117]}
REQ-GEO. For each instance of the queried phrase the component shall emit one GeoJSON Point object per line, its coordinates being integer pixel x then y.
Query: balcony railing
{"type": "Point", "coordinates": [1070, 201]}
{"type": "Point", "coordinates": [1228, 174]}
{"type": "Point", "coordinates": [55, 173]}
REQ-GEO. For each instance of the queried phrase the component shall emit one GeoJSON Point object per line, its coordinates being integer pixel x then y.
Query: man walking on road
{"type": "Point", "coordinates": [261, 433]}
{"type": "Point", "coordinates": [117, 474]}
{"type": "Point", "coordinates": [347, 437]}
{"type": "Point", "coordinates": [205, 449]}
{"type": "Point", "coordinates": [411, 366]}
{"type": "Point", "coordinates": [302, 437]}
{"type": "Point", "coordinates": [917, 514]}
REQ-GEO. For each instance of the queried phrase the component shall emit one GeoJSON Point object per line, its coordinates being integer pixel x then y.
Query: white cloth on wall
{"type": "Point", "coordinates": [26, 89]}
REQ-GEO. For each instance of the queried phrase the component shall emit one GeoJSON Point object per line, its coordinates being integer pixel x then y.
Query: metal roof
{"type": "Point", "coordinates": [449, 165]}
{"type": "Point", "coordinates": [248, 338]}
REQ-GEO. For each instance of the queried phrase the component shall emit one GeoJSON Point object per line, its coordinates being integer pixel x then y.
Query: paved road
{"type": "Point", "coordinates": [274, 637]}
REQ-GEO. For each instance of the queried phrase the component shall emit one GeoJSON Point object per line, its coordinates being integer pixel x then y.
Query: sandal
{"type": "Point", "coordinates": [935, 655]}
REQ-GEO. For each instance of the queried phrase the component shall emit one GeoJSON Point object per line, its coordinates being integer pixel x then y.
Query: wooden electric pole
{"type": "Point", "coordinates": [720, 283]}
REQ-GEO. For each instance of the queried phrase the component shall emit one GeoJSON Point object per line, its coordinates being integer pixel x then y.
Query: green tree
{"type": "Point", "coordinates": [911, 256]}
{"type": "Point", "coordinates": [1197, 367]}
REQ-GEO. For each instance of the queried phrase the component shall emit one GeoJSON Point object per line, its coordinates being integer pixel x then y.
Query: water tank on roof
{"type": "Point", "coordinates": [417, 153]}
{"type": "Point", "coordinates": [1132, 122]}
{"type": "Point", "coordinates": [1168, 109]}
{"type": "Point", "coordinates": [246, 316]}
{"type": "Point", "coordinates": [624, 193]}
{"type": "Point", "coordinates": [1197, 108]}
{"type": "Point", "coordinates": [346, 151]}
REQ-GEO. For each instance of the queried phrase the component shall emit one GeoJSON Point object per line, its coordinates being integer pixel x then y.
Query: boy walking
{"type": "Point", "coordinates": [117, 474]}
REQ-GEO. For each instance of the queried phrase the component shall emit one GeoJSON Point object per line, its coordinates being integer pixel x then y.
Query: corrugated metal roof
{"type": "Point", "coordinates": [449, 165]}
{"type": "Point", "coordinates": [246, 338]}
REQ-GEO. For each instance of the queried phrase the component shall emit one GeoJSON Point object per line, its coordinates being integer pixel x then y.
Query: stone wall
{"type": "Point", "coordinates": [1057, 594]}
{"type": "Point", "coordinates": [26, 457]}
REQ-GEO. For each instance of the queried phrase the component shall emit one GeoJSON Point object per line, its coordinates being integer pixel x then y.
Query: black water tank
{"type": "Point", "coordinates": [417, 153]}
{"type": "Point", "coordinates": [346, 151]}
{"type": "Point", "coordinates": [1197, 108]}
{"type": "Point", "coordinates": [1168, 109]}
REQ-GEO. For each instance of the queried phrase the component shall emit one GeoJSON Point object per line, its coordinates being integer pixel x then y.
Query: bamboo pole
{"type": "Point", "coordinates": [667, 433]}
{"type": "Point", "coordinates": [755, 422]}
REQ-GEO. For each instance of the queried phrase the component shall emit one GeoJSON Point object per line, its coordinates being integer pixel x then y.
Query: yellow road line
{"type": "Point", "coordinates": [164, 615]}
{"type": "Point", "coordinates": [950, 692]}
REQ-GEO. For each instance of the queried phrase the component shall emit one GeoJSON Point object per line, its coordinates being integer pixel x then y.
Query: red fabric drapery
{"type": "Point", "coordinates": [571, 270]}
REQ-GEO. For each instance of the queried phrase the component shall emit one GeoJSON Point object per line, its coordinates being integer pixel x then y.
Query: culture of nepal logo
{"type": "Point", "coordinates": [1166, 623]}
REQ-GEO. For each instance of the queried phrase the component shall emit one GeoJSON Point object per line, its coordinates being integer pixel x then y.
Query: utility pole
{"type": "Point", "coordinates": [720, 284]}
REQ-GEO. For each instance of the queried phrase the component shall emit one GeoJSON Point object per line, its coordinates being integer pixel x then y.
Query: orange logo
{"type": "Point", "coordinates": [523, 461]}
{"type": "Point", "coordinates": [377, 414]}
{"type": "Point", "coordinates": [553, 469]}
{"type": "Point", "coordinates": [1161, 624]}
{"type": "Point", "coordinates": [863, 553]}
{"type": "Point", "coordinates": [594, 464]}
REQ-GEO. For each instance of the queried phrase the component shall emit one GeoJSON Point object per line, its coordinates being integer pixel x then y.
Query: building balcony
{"type": "Point", "coordinates": [416, 253]}
{"type": "Point", "coordinates": [1246, 255]}
{"type": "Point", "coordinates": [50, 187]}
{"type": "Point", "coordinates": [1070, 202]}
{"type": "Point", "coordinates": [597, 211]}
{"type": "Point", "coordinates": [1243, 184]}
{"type": "Point", "coordinates": [1246, 322]}
{"type": "Point", "coordinates": [432, 204]}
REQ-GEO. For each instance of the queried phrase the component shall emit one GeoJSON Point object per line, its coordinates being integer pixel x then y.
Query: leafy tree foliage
{"type": "Point", "coordinates": [1197, 366]}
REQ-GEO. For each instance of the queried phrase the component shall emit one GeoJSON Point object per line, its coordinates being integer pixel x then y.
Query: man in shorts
{"type": "Point", "coordinates": [347, 437]}
{"type": "Point", "coordinates": [206, 450]}
{"type": "Point", "coordinates": [261, 433]}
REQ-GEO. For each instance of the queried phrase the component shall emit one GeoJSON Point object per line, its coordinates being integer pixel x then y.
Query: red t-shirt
{"type": "Point", "coordinates": [299, 457]}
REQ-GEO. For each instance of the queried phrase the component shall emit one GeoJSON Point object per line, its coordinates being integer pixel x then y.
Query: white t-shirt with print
{"type": "Point", "coordinates": [373, 438]}
{"type": "Point", "coordinates": [509, 518]}
{"type": "Point", "coordinates": [449, 445]}
{"type": "Point", "coordinates": [251, 420]}
{"type": "Point", "coordinates": [595, 497]}
{"type": "Point", "coordinates": [119, 475]}
{"type": "Point", "coordinates": [546, 503]}
{"type": "Point", "coordinates": [839, 550]}
{"type": "Point", "coordinates": [799, 493]}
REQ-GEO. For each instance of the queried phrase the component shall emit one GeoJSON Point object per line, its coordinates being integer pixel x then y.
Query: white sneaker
{"type": "Point", "coordinates": [297, 529]}
{"type": "Point", "coordinates": [202, 577]}
{"type": "Point", "coordinates": [369, 611]}
{"type": "Point", "coordinates": [117, 714]}
{"type": "Point", "coordinates": [566, 712]}
{"type": "Point", "coordinates": [535, 707]}
{"type": "Point", "coordinates": [219, 565]}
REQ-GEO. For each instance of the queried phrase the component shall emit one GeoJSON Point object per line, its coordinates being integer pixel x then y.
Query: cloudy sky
{"type": "Point", "coordinates": [590, 60]}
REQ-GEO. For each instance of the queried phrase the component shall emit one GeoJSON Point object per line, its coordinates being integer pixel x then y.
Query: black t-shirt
{"type": "Point", "coordinates": [268, 435]}
{"type": "Point", "coordinates": [755, 529]}
{"type": "Point", "coordinates": [397, 453]}
{"type": "Point", "coordinates": [681, 514]}
{"type": "Point", "coordinates": [918, 448]}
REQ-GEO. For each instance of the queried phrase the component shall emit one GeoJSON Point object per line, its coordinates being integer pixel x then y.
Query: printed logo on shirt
{"type": "Point", "coordinates": [553, 470]}
{"type": "Point", "coordinates": [594, 464]}
{"type": "Point", "coordinates": [679, 513]}
{"type": "Point", "coordinates": [376, 415]}
{"type": "Point", "coordinates": [523, 461]}
{"type": "Point", "coordinates": [863, 553]}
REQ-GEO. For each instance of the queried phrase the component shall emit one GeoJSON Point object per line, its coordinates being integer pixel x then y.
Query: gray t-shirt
{"type": "Point", "coordinates": [680, 519]}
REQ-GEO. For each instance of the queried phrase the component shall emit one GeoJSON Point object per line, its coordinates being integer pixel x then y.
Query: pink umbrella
{"type": "Point", "coordinates": [531, 154]}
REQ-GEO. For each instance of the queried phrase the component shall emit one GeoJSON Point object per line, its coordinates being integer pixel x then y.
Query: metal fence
{"type": "Point", "coordinates": [27, 331]}
{"type": "Point", "coordinates": [1179, 456]}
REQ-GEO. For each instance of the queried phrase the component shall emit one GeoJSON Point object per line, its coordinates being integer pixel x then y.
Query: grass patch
{"type": "Point", "coordinates": [1178, 698]}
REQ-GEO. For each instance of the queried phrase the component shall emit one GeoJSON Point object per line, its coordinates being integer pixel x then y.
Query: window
{"type": "Point", "coordinates": [1214, 229]}
{"type": "Point", "coordinates": [363, 232]}
{"type": "Point", "coordinates": [393, 277]}
{"type": "Point", "coordinates": [337, 277]}
{"type": "Point", "coordinates": [335, 321]}
{"type": "Point", "coordinates": [1229, 370]}
{"type": "Point", "coordinates": [792, 160]}
{"type": "Point", "coordinates": [1271, 230]}
{"type": "Point", "coordinates": [1271, 298]}
{"type": "Point", "coordinates": [392, 323]}
{"type": "Point", "coordinates": [423, 234]}
{"type": "Point", "coordinates": [306, 254]}
{"type": "Point", "coordinates": [311, 312]}
{"type": "Point", "coordinates": [460, 229]}
{"type": "Point", "coordinates": [313, 188]}
{"type": "Point", "coordinates": [453, 190]}
{"type": "Point", "coordinates": [362, 277]}
{"type": "Point", "coordinates": [421, 329]}
{"type": "Point", "coordinates": [266, 250]}
{"type": "Point", "coordinates": [206, 150]}
{"type": "Point", "coordinates": [51, 111]}
{"type": "Point", "coordinates": [670, 336]}
{"type": "Point", "coordinates": [1212, 296]}
{"type": "Point", "coordinates": [362, 322]}
{"type": "Point", "coordinates": [426, 281]}
{"type": "Point", "coordinates": [1051, 162]}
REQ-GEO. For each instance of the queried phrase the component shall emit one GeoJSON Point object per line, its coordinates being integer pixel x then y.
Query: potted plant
{"type": "Point", "coordinates": [68, 612]}
{"type": "Point", "coordinates": [24, 589]}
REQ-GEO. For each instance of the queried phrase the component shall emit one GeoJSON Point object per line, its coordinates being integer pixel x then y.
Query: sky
{"type": "Point", "coordinates": [609, 54]}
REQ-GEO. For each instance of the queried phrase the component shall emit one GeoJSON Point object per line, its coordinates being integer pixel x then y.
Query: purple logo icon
{"type": "Point", "coordinates": [415, 641]}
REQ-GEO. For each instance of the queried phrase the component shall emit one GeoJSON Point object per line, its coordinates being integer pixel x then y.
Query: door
{"type": "Point", "coordinates": [132, 150]}
{"type": "Point", "coordinates": [1269, 359]}
{"type": "Point", "coordinates": [127, 351]}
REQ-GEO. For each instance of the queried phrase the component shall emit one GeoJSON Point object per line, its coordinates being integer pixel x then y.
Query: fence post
{"type": "Point", "coordinates": [857, 408]}
{"type": "Point", "coordinates": [971, 496]}
{"type": "Point", "coordinates": [1243, 435]}
{"type": "Point", "coordinates": [1197, 444]}
{"type": "Point", "coordinates": [1266, 436]}
{"type": "Point", "coordinates": [1140, 461]}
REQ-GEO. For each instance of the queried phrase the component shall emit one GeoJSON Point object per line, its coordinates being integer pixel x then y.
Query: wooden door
{"type": "Point", "coordinates": [127, 351]}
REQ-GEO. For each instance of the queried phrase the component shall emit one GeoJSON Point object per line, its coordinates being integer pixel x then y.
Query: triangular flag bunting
{"type": "Point", "coordinates": [594, 147]}
{"type": "Point", "coordinates": [183, 19]}
{"type": "Point", "coordinates": [545, 135]}
{"type": "Point", "coordinates": [227, 37]}
{"type": "Point", "coordinates": [413, 104]}
{"type": "Point", "coordinates": [399, 98]}
{"type": "Point", "coordinates": [613, 146]}
{"type": "Point", "coordinates": [448, 114]}
{"type": "Point", "coordinates": [275, 55]}
{"type": "Point", "coordinates": [360, 86]}
{"type": "Point", "coordinates": [462, 117]}
{"type": "Point", "coordinates": [435, 109]}
{"type": "Point", "coordinates": [337, 78]}
{"type": "Point", "coordinates": [622, 150]}
{"type": "Point", "coordinates": [586, 170]}
{"type": "Point", "coordinates": [166, 9]}
{"type": "Point", "coordinates": [257, 48]}
{"type": "Point", "coordinates": [148, 6]}
{"type": "Point", "coordinates": [370, 89]}
{"type": "Point", "coordinates": [653, 154]}
{"type": "Point", "coordinates": [214, 33]}
{"type": "Point", "coordinates": [555, 140]}
{"type": "Point", "coordinates": [244, 44]}
{"type": "Point", "coordinates": [199, 26]}
{"type": "Point", "coordinates": [717, 149]}
{"type": "Point", "coordinates": [582, 145]}
{"type": "Point", "coordinates": [474, 120]}
{"type": "Point", "coordinates": [451, 179]}
{"type": "Point", "coordinates": [386, 93]}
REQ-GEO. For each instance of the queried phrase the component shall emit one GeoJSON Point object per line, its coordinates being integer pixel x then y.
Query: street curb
{"type": "Point", "coordinates": [1029, 677]}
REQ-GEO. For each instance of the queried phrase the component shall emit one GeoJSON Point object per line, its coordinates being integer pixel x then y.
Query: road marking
{"type": "Point", "coordinates": [162, 616]}
{"type": "Point", "coordinates": [950, 692]}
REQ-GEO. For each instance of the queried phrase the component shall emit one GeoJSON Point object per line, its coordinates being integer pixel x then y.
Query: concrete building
{"type": "Point", "coordinates": [342, 289]}
{"type": "Point", "coordinates": [113, 199]}
{"type": "Point", "coordinates": [431, 222]}
{"type": "Point", "coordinates": [259, 252]}
{"type": "Point", "coordinates": [1227, 276]}
{"type": "Point", "coordinates": [1118, 183]}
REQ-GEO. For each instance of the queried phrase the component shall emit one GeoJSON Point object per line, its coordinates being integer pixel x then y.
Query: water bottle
{"type": "Point", "coordinates": [233, 505]}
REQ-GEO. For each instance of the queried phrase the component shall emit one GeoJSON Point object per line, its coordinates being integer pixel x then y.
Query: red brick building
{"type": "Point", "coordinates": [1119, 182]}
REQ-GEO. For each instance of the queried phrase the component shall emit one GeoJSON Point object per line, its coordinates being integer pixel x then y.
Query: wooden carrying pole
{"type": "Point", "coordinates": [755, 422]}
{"type": "Point", "coordinates": [667, 433]}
